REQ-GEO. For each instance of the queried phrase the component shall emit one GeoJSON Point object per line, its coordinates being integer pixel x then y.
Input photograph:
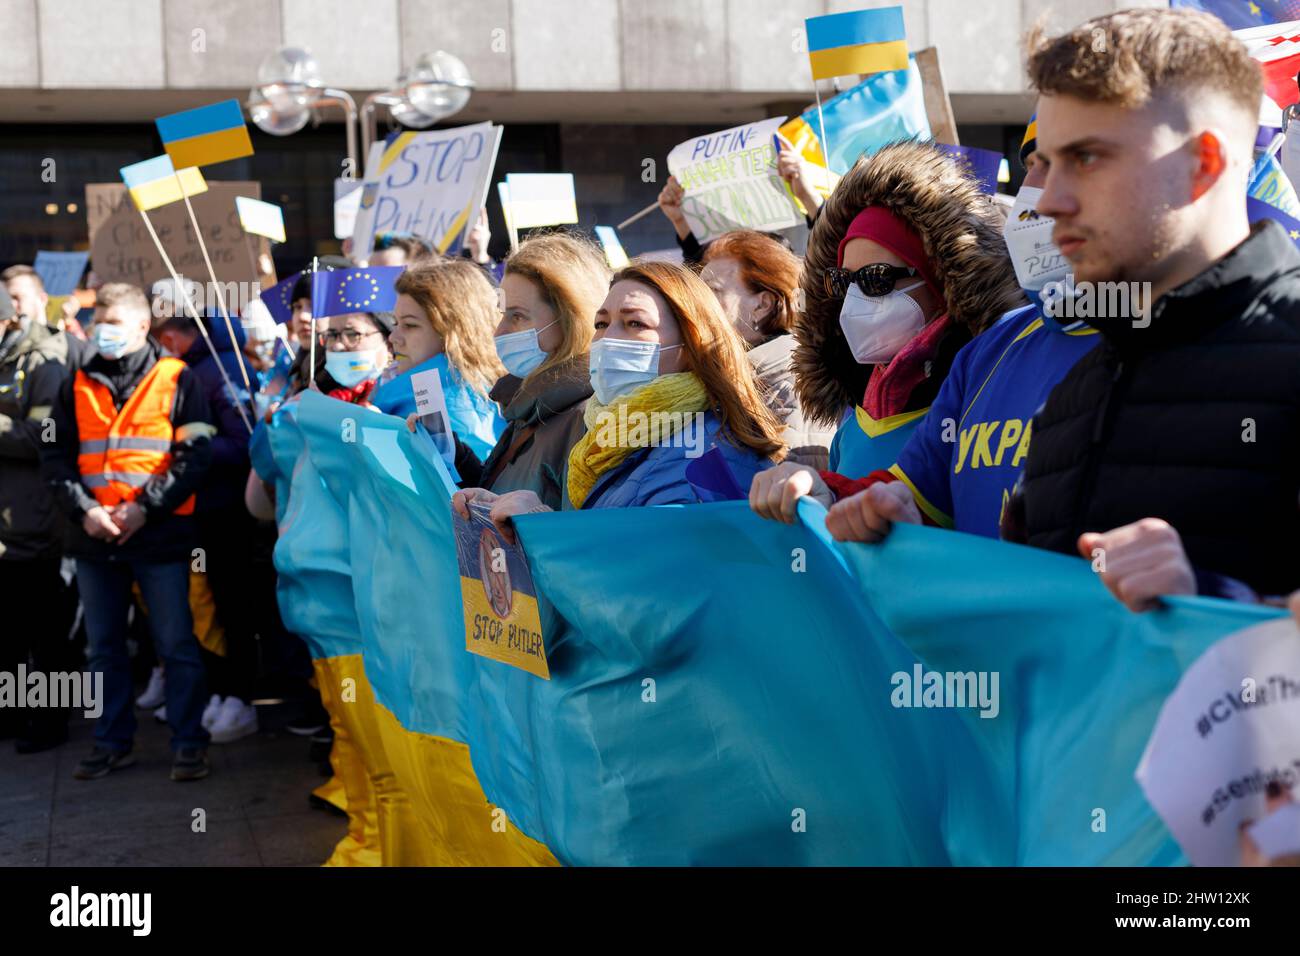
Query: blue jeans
{"type": "Point", "coordinates": [106, 593]}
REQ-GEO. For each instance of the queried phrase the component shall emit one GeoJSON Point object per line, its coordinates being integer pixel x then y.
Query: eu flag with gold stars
{"type": "Point", "coordinates": [1243, 14]}
{"type": "Point", "coordinates": [368, 289]}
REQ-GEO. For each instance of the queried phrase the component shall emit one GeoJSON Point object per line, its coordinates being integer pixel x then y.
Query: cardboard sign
{"type": "Point", "coordinates": [60, 271]}
{"type": "Point", "coordinates": [731, 182]}
{"type": "Point", "coordinates": [121, 250]}
{"type": "Point", "coordinates": [427, 185]}
{"type": "Point", "coordinates": [1230, 727]}
{"type": "Point", "coordinates": [500, 600]}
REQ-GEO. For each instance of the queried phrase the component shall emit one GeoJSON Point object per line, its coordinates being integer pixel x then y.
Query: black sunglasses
{"type": "Point", "coordinates": [875, 278]}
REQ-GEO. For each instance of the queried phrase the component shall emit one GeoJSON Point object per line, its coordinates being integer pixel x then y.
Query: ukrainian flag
{"type": "Point", "coordinates": [155, 182]}
{"type": "Point", "coordinates": [209, 134]}
{"type": "Point", "coordinates": [862, 41]}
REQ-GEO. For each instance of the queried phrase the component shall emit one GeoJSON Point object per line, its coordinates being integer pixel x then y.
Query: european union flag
{"type": "Point", "coordinates": [355, 290]}
{"type": "Point", "coordinates": [1243, 14]}
{"type": "Point", "coordinates": [278, 299]}
{"type": "Point", "coordinates": [1257, 210]}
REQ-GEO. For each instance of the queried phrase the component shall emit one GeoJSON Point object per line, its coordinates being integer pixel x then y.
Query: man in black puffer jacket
{"type": "Point", "coordinates": [1170, 454]}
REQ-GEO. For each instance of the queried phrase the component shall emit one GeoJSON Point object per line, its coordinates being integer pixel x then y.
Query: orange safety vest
{"type": "Point", "coordinates": [121, 450]}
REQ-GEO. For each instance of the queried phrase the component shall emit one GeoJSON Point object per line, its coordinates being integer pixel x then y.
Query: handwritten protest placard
{"type": "Point", "coordinates": [731, 182]}
{"type": "Point", "coordinates": [429, 185]}
{"type": "Point", "coordinates": [500, 600]}
{"type": "Point", "coordinates": [60, 271]}
{"type": "Point", "coordinates": [121, 250]}
{"type": "Point", "coordinates": [1230, 727]}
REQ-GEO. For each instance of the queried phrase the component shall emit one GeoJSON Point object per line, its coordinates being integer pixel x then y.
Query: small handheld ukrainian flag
{"type": "Point", "coordinates": [155, 182]}
{"type": "Point", "coordinates": [209, 134]}
{"type": "Point", "coordinates": [354, 290]}
{"type": "Point", "coordinates": [861, 41]}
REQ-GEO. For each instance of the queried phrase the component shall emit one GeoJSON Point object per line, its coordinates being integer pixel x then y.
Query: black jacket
{"type": "Point", "coordinates": [31, 371]}
{"type": "Point", "coordinates": [166, 536]}
{"type": "Point", "coordinates": [1195, 419]}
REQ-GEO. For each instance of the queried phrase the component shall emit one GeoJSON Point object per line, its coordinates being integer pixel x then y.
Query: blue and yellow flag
{"type": "Point", "coordinates": [278, 299]}
{"type": "Point", "coordinates": [879, 110]}
{"type": "Point", "coordinates": [946, 707]}
{"type": "Point", "coordinates": [206, 135]}
{"type": "Point", "coordinates": [860, 41]}
{"type": "Point", "coordinates": [155, 182]}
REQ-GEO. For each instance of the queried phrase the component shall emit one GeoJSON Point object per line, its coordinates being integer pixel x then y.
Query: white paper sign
{"type": "Point", "coordinates": [431, 406]}
{"type": "Point", "coordinates": [347, 202]}
{"type": "Point", "coordinates": [427, 185]}
{"type": "Point", "coordinates": [1230, 727]}
{"type": "Point", "coordinates": [731, 182]}
{"type": "Point", "coordinates": [541, 199]}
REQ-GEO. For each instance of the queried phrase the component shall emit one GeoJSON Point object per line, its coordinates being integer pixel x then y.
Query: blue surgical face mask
{"type": "Point", "coordinates": [111, 341]}
{"type": "Point", "coordinates": [353, 368]}
{"type": "Point", "coordinates": [619, 366]}
{"type": "Point", "coordinates": [519, 351]}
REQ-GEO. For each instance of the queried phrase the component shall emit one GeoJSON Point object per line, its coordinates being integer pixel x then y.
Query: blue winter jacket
{"type": "Point", "coordinates": [475, 418]}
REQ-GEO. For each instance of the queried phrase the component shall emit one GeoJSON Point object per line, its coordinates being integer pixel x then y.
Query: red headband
{"type": "Point", "coordinates": [881, 226]}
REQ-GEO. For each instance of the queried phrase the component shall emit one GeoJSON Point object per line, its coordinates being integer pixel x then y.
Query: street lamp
{"type": "Point", "coordinates": [437, 86]}
{"type": "Point", "coordinates": [289, 89]}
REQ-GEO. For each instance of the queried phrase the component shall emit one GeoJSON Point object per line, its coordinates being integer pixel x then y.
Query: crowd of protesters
{"type": "Point", "coordinates": [895, 373]}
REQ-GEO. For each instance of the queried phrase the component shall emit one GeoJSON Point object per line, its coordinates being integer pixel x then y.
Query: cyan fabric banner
{"type": "Point", "coordinates": [726, 690]}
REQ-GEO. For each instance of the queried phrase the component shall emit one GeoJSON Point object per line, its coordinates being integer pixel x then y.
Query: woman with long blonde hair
{"type": "Point", "coordinates": [671, 383]}
{"type": "Point", "coordinates": [444, 318]}
{"type": "Point", "coordinates": [553, 285]}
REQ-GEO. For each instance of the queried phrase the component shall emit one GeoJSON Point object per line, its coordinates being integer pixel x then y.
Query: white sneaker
{"type": "Point", "coordinates": [160, 714]}
{"type": "Point", "coordinates": [210, 711]}
{"type": "Point", "coordinates": [235, 719]}
{"type": "Point", "coordinates": [154, 692]}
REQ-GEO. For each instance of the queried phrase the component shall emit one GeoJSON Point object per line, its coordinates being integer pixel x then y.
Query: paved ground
{"type": "Point", "coordinates": [255, 802]}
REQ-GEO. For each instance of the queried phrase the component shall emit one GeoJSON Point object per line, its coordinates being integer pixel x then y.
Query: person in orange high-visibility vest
{"type": "Point", "coordinates": [131, 443]}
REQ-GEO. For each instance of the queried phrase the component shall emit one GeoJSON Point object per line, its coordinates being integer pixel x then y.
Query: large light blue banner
{"type": "Point", "coordinates": [731, 691]}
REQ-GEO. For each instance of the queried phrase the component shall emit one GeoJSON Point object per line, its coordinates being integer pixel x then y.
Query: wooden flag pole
{"type": "Point", "coordinates": [243, 414]}
{"type": "Point", "coordinates": [821, 121]}
{"type": "Point", "coordinates": [221, 295]}
{"type": "Point", "coordinates": [938, 107]}
{"type": "Point", "coordinates": [638, 215]}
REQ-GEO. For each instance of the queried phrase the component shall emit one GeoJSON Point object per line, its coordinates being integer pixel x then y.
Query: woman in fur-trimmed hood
{"type": "Point", "coordinates": [882, 341]}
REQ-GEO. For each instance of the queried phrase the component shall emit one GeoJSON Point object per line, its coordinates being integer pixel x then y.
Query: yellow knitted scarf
{"type": "Point", "coordinates": [614, 431]}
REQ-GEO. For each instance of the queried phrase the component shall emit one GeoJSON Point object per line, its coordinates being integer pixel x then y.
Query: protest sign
{"type": "Point", "coordinates": [541, 199]}
{"type": "Point", "coordinates": [1230, 727]}
{"type": "Point", "coordinates": [427, 185]}
{"type": "Point", "coordinates": [347, 202]}
{"type": "Point", "coordinates": [500, 599]}
{"type": "Point", "coordinates": [121, 250]}
{"type": "Point", "coordinates": [731, 182]}
{"type": "Point", "coordinates": [60, 271]}
{"type": "Point", "coordinates": [431, 406]}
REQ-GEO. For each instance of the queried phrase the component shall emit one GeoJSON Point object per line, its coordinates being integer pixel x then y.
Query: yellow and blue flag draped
{"type": "Point", "coordinates": [155, 182]}
{"type": "Point", "coordinates": [368, 289]}
{"type": "Point", "coordinates": [1268, 183]}
{"type": "Point", "coordinates": [206, 135]}
{"type": "Point", "coordinates": [881, 109]}
{"type": "Point", "coordinates": [860, 41]}
{"type": "Point", "coordinates": [683, 725]}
